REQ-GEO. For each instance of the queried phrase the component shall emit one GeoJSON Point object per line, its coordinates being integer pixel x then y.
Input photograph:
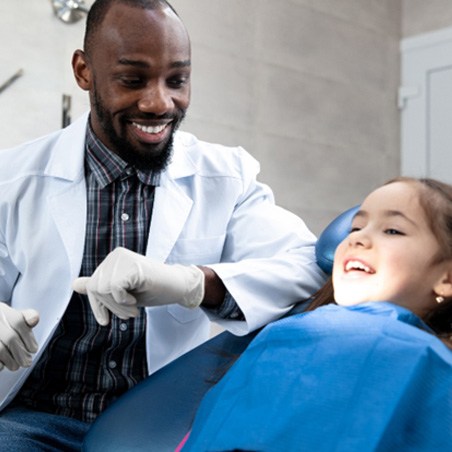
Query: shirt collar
{"type": "Point", "coordinates": [107, 166]}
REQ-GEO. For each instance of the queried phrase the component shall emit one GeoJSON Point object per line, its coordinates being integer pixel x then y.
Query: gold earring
{"type": "Point", "coordinates": [439, 299]}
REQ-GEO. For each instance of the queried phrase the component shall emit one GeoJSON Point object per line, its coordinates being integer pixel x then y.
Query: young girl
{"type": "Point", "coordinates": [367, 373]}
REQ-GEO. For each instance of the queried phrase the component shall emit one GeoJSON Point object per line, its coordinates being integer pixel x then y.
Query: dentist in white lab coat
{"type": "Point", "coordinates": [211, 219]}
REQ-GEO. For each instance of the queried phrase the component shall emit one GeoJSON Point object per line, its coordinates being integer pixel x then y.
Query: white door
{"type": "Point", "coordinates": [425, 99]}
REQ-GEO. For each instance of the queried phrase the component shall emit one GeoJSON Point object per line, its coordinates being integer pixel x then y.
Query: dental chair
{"type": "Point", "coordinates": [156, 414]}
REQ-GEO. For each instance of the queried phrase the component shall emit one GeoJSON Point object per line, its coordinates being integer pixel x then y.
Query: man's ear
{"type": "Point", "coordinates": [443, 287]}
{"type": "Point", "coordinates": [82, 72]}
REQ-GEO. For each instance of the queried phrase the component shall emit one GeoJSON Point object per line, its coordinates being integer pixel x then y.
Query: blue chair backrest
{"type": "Point", "coordinates": [331, 236]}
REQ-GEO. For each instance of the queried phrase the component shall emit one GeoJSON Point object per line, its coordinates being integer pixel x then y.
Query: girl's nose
{"type": "Point", "coordinates": [359, 238]}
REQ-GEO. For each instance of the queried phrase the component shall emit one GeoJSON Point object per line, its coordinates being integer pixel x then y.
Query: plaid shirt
{"type": "Point", "coordinates": [85, 367]}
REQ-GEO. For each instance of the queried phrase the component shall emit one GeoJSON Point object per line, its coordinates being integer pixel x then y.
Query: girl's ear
{"type": "Point", "coordinates": [81, 69]}
{"type": "Point", "coordinates": [443, 287]}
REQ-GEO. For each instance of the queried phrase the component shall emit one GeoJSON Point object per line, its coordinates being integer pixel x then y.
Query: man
{"type": "Point", "coordinates": [166, 233]}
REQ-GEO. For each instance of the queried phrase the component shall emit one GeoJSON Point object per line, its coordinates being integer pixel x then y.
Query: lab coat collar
{"type": "Point", "coordinates": [67, 162]}
{"type": "Point", "coordinates": [181, 164]}
{"type": "Point", "coordinates": [172, 205]}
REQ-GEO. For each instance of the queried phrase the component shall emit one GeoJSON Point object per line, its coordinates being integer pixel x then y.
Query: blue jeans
{"type": "Point", "coordinates": [25, 430]}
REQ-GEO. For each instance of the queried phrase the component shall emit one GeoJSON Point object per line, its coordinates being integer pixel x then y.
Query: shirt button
{"type": "Point", "coordinates": [124, 216]}
{"type": "Point", "coordinates": [112, 364]}
{"type": "Point", "coordinates": [123, 327]}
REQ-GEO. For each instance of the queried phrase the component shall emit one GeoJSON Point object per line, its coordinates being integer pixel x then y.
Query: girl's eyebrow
{"type": "Point", "coordinates": [360, 214]}
{"type": "Point", "coordinates": [397, 213]}
{"type": "Point", "coordinates": [387, 213]}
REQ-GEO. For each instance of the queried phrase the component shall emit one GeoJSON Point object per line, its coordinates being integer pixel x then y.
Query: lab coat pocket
{"type": "Point", "coordinates": [197, 251]}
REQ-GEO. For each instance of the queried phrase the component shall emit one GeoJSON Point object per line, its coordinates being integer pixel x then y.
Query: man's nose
{"type": "Point", "coordinates": [155, 99]}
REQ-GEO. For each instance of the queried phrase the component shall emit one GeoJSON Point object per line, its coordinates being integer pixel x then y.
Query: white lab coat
{"type": "Point", "coordinates": [208, 210]}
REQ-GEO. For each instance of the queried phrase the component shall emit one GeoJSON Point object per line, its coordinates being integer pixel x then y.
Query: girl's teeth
{"type": "Point", "coordinates": [356, 265]}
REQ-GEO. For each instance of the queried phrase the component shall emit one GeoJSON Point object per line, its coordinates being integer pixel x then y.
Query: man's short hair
{"type": "Point", "coordinates": [100, 8]}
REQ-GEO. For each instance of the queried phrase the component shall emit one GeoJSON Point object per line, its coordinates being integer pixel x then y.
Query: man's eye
{"type": "Point", "coordinates": [131, 81]}
{"type": "Point", "coordinates": [178, 82]}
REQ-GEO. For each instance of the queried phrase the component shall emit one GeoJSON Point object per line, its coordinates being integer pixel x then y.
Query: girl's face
{"type": "Point", "coordinates": [391, 253]}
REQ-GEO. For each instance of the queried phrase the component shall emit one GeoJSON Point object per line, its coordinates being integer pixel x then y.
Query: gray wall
{"type": "Point", "coordinates": [307, 86]}
{"type": "Point", "coordinates": [33, 39]}
{"type": "Point", "coordinates": [421, 16]}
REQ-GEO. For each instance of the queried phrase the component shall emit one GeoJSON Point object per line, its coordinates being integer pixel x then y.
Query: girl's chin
{"type": "Point", "coordinates": [342, 299]}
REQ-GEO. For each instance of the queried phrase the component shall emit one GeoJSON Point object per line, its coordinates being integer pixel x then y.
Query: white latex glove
{"type": "Point", "coordinates": [17, 341]}
{"type": "Point", "coordinates": [126, 280]}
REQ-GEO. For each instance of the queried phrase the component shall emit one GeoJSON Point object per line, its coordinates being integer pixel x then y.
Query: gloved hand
{"type": "Point", "coordinates": [17, 341]}
{"type": "Point", "coordinates": [126, 280]}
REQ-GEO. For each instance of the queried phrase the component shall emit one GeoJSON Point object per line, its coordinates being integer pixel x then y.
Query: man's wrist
{"type": "Point", "coordinates": [214, 289]}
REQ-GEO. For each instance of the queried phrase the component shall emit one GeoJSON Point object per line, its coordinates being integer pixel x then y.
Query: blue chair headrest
{"type": "Point", "coordinates": [330, 238]}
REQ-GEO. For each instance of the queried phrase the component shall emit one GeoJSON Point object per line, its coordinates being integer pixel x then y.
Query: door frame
{"type": "Point", "coordinates": [420, 56]}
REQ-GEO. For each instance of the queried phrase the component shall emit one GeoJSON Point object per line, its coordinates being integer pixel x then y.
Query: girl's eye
{"type": "Point", "coordinates": [392, 231]}
{"type": "Point", "coordinates": [354, 229]}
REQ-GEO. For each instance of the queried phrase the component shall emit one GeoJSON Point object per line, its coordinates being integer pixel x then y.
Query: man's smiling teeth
{"type": "Point", "coordinates": [357, 265]}
{"type": "Point", "coordinates": [149, 129]}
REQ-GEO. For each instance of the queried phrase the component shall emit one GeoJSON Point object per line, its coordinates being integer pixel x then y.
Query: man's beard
{"type": "Point", "coordinates": [155, 161]}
